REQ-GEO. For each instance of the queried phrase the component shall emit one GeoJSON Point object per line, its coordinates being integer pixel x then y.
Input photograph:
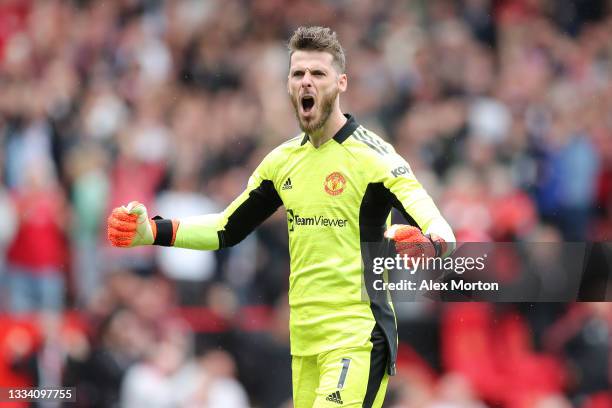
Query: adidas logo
{"type": "Point", "coordinates": [287, 185]}
{"type": "Point", "coordinates": [335, 397]}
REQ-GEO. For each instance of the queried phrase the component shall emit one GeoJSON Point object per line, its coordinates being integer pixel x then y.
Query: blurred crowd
{"type": "Point", "coordinates": [501, 107]}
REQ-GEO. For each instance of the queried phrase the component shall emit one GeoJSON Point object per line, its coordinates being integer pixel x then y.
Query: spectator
{"type": "Point", "coordinates": [583, 337]}
{"type": "Point", "coordinates": [37, 255]}
{"type": "Point", "coordinates": [99, 372]}
{"type": "Point", "coordinates": [7, 213]}
{"type": "Point", "coordinates": [153, 383]}
{"type": "Point", "coordinates": [189, 270]}
{"type": "Point", "coordinates": [168, 378]}
{"type": "Point", "coordinates": [89, 193]}
{"type": "Point", "coordinates": [211, 382]}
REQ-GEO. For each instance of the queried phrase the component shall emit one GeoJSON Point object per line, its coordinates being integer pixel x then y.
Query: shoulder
{"type": "Point", "coordinates": [369, 141]}
{"type": "Point", "coordinates": [377, 153]}
{"type": "Point", "coordinates": [286, 148]}
{"type": "Point", "coordinates": [279, 157]}
{"type": "Point", "coordinates": [368, 146]}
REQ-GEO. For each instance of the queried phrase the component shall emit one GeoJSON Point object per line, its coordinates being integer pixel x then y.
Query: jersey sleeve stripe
{"type": "Point", "coordinates": [372, 142]}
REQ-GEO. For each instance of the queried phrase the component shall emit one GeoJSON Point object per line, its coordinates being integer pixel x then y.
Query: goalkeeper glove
{"type": "Point", "coordinates": [130, 226]}
{"type": "Point", "coordinates": [410, 241]}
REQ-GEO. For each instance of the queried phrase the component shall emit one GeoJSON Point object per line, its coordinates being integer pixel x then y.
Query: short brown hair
{"type": "Point", "coordinates": [318, 39]}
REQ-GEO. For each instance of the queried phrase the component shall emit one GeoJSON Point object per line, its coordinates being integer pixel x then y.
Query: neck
{"type": "Point", "coordinates": [333, 124]}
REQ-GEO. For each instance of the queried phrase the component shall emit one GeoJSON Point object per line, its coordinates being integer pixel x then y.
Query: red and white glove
{"type": "Point", "coordinates": [130, 226]}
{"type": "Point", "coordinates": [410, 241]}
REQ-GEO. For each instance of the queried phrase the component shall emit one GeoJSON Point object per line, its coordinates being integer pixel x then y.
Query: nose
{"type": "Point", "coordinates": [307, 80]}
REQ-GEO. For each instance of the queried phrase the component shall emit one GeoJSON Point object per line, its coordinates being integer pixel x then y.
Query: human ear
{"type": "Point", "coordinates": [342, 82]}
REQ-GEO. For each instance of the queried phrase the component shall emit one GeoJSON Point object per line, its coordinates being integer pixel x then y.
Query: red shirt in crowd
{"type": "Point", "coordinates": [39, 243]}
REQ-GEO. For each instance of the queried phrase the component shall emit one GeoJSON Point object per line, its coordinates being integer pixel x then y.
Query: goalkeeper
{"type": "Point", "coordinates": [338, 182]}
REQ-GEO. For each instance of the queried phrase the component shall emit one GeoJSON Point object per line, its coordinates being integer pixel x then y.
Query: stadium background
{"type": "Point", "coordinates": [502, 107]}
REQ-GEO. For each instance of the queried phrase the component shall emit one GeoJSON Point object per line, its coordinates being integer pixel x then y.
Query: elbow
{"type": "Point", "coordinates": [228, 239]}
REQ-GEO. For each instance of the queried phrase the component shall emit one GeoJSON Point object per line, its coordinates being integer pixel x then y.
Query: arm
{"type": "Point", "coordinates": [214, 231]}
{"type": "Point", "coordinates": [130, 225]}
{"type": "Point", "coordinates": [426, 224]}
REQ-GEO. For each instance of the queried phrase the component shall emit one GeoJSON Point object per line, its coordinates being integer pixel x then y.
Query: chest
{"type": "Point", "coordinates": [321, 180]}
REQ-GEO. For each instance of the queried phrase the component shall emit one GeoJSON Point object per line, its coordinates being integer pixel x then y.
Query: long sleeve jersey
{"type": "Point", "coordinates": [338, 198]}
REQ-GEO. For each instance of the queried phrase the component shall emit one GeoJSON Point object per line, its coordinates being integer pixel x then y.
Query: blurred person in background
{"type": "Point", "coordinates": [36, 277]}
{"type": "Point", "coordinates": [17, 348]}
{"type": "Point", "coordinates": [583, 336]}
{"type": "Point", "coordinates": [210, 380]}
{"type": "Point", "coordinates": [130, 317]}
{"type": "Point", "coordinates": [455, 390]}
{"type": "Point", "coordinates": [154, 303]}
{"type": "Point", "coordinates": [9, 215]}
{"type": "Point", "coordinates": [121, 341]}
{"type": "Point", "coordinates": [268, 352]}
{"type": "Point", "coordinates": [170, 377]}
{"type": "Point", "coordinates": [189, 270]}
{"type": "Point", "coordinates": [34, 353]}
{"type": "Point", "coordinates": [568, 185]}
{"type": "Point", "coordinates": [87, 172]}
{"type": "Point", "coordinates": [153, 382]}
{"type": "Point", "coordinates": [42, 354]}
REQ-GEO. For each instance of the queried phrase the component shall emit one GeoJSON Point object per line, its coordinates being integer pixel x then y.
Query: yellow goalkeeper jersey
{"type": "Point", "coordinates": [338, 198]}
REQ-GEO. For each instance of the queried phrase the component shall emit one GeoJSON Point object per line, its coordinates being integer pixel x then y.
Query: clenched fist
{"type": "Point", "coordinates": [412, 242]}
{"type": "Point", "coordinates": [130, 226]}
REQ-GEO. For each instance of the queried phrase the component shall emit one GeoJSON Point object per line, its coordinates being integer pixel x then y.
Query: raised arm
{"type": "Point", "coordinates": [130, 226]}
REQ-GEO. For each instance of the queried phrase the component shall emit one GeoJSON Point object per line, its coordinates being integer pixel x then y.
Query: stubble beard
{"type": "Point", "coordinates": [327, 105]}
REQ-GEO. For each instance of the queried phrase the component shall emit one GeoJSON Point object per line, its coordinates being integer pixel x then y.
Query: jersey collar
{"type": "Point", "coordinates": [345, 131]}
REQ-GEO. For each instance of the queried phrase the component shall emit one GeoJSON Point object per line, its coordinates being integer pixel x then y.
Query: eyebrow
{"type": "Point", "coordinates": [311, 69]}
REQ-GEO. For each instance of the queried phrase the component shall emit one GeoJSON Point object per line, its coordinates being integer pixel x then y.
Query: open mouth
{"type": "Point", "coordinates": [307, 103]}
